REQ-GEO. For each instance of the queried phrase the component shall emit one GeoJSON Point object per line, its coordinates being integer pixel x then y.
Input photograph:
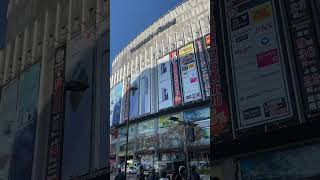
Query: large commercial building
{"type": "Point", "coordinates": [167, 64]}
{"type": "Point", "coordinates": [53, 120]}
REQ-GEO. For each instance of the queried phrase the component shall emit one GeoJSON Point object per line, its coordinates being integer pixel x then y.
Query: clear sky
{"type": "Point", "coordinates": [130, 17]}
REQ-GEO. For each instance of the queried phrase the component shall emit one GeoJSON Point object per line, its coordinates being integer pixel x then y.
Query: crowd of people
{"type": "Point", "coordinates": [179, 173]}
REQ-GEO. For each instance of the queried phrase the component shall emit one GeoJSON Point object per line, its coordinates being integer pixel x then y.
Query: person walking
{"type": "Point", "coordinates": [183, 173]}
{"type": "Point", "coordinates": [163, 175]}
{"type": "Point", "coordinates": [175, 174]}
{"type": "Point", "coordinates": [120, 175]}
{"type": "Point", "coordinates": [194, 174]}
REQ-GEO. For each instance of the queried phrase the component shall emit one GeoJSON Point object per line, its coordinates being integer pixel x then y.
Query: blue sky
{"type": "Point", "coordinates": [128, 18]}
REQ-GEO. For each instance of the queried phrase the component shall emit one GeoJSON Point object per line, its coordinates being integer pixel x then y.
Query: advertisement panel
{"type": "Point", "coordinates": [8, 111]}
{"type": "Point", "coordinates": [134, 97]}
{"type": "Point", "coordinates": [54, 156]}
{"type": "Point", "coordinates": [146, 127]}
{"type": "Point", "coordinates": [165, 123]}
{"type": "Point", "coordinates": [126, 101]}
{"type": "Point", "coordinates": [306, 52]}
{"type": "Point", "coordinates": [301, 163]}
{"type": "Point", "coordinates": [177, 96]}
{"type": "Point", "coordinates": [3, 22]}
{"type": "Point", "coordinates": [23, 148]}
{"type": "Point", "coordinates": [145, 92]}
{"type": "Point", "coordinates": [115, 104]}
{"type": "Point", "coordinates": [189, 74]}
{"type": "Point", "coordinates": [123, 132]}
{"type": "Point", "coordinates": [164, 83]}
{"type": "Point", "coordinates": [203, 67]}
{"type": "Point", "coordinates": [260, 84]}
{"type": "Point", "coordinates": [78, 109]}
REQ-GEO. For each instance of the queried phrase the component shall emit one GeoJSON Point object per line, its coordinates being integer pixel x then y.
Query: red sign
{"type": "Point", "coordinates": [176, 83]}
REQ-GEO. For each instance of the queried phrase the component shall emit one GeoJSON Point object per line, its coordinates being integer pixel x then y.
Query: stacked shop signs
{"type": "Point", "coordinates": [258, 69]}
{"type": "Point", "coordinates": [189, 74]}
{"type": "Point", "coordinates": [306, 52]}
{"type": "Point", "coordinates": [145, 92]}
{"type": "Point", "coordinates": [177, 96]}
{"type": "Point", "coordinates": [57, 116]}
{"type": "Point", "coordinates": [22, 157]}
{"type": "Point", "coordinates": [78, 108]}
{"type": "Point", "coordinates": [134, 96]}
{"type": "Point", "coordinates": [8, 111]}
{"type": "Point", "coordinates": [164, 83]}
{"type": "Point", "coordinates": [115, 104]}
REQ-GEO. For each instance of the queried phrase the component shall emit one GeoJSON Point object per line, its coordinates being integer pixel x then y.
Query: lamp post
{"type": "Point", "coordinates": [185, 124]}
{"type": "Point", "coordinates": [131, 89]}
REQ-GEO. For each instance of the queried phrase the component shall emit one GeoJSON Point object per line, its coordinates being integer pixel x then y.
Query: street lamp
{"type": "Point", "coordinates": [131, 89]}
{"type": "Point", "coordinates": [185, 124]}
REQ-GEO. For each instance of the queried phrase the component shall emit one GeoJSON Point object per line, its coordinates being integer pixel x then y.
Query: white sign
{"type": "Point", "coordinates": [261, 88]}
{"type": "Point", "coordinates": [164, 83]}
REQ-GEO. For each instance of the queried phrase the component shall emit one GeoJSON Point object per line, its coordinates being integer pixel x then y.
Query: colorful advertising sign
{"type": "Point", "coordinates": [126, 101]}
{"type": "Point", "coordinates": [22, 156]}
{"type": "Point", "coordinates": [78, 109]}
{"type": "Point", "coordinates": [177, 96]}
{"type": "Point", "coordinates": [189, 74]}
{"type": "Point", "coordinates": [3, 22]}
{"type": "Point", "coordinates": [146, 127]}
{"type": "Point", "coordinates": [260, 83]}
{"type": "Point", "coordinates": [115, 104]}
{"type": "Point", "coordinates": [196, 115]}
{"type": "Point", "coordinates": [8, 111]}
{"type": "Point", "coordinates": [165, 122]}
{"type": "Point", "coordinates": [145, 92]}
{"type": "Point", "coordinates": [57, 116]}
{"type": "Point", "coordinates": [301, 163]}
{"type": "Point", "coordinates": [134, 97]}
{"type": "Point", "coordinates": [306, 51]}
{"type": "Point", "coordinates": [203, 66]}
{"type": "Point", "coordinates": [164, 83]}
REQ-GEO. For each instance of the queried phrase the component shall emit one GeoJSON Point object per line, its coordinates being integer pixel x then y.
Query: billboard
{"type": "Point", "coordinates": [306, 52]}
{"type": "Point", "coordinates": [146, 127]}
{"type": "Point", "coordinates": [203, 67]}
{"type": "Point", "coordinates": [78, 109]}
{"type": "Point", "coordinates": [164, 83]}
{"type": "Point", "coordinates": [134, 97]}
{"type": "Point", "coordinates": [57, 116]}
{"type": "Point", "coordinates": [189, 74]}
{"type": "Point", "coordinates": [115, 103]}
{"type": "Point", "coordinates": [8, 111]}
{"type": "Point", "coordinates": [177, 96]}
{"type": "Point", "coordinates": [126, 100]}
{"type": "Point", "coordinates": [300, 163]}
{"type": "Point", "coordinates": [259, 76]}
{"type": "Point", "coordinates": [23, 148]}
{"type": "Point", "coordinates": [145, 92]}
{"type": "Point", "coordinates": [3, 22]}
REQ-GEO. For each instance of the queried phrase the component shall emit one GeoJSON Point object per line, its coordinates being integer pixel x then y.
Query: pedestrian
{"type": "Point", "coordinates": [194, 174]}
{"type": "Point", "coordinates": [175, 174]}
{"type": "Point", "coordinates": [142, 176]}
{"type": "Point", "coordinates": [163, 175]}
{"type": "Point", "coordinates": [120, 175]}
{"type": "Point", "coordinates": [183, 173]}
{"type": "Point", "coordinates": [153, 176]}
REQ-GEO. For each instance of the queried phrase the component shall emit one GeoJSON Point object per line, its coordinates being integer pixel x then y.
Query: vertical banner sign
{"type": "Point", "coordinates": [126, 104]}
{"type": "Point", "coordinates": [8, 111]}
{"type": "Point", "coordinates": [57, 116]}
{"type": "Point", "coordinates": [116, 104]}
{"type": "Point", "coordinates": [134, 97]}
{"type": "Point", "coordinates": [112, 102]}
{"type": "Point", "coordinates": [189, 74]}
{"type": "Point", "coordinates": [204, 69]}
{"type": "Point", "coordinates": [145, 92]}
{"type": "Point", "coordinates": [306, 51]}
{"type": "Point", "coordinates": [220, 121]}
{"type": "Point", "coordinates": [164, 83]}
{"type": "Point", "coordinates": [260, 84]}
{"type": "Point", "coordinates": [22, 156]}
{"type": "Point", "coordinates": [177, 97]}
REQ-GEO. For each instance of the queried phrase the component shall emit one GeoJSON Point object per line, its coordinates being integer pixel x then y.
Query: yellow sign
{"type": "Point", "coordinates": [261, 13]}
{"type": "Point", "coordinates": [186, 50]}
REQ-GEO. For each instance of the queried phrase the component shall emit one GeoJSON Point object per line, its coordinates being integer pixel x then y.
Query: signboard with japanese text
{"type": "Point", "coordinates": [189, 74]}
{"type": "Point", "coordinates": [177, 96]}
{"type": "Point", "coordinates": [306, 52]}
{"type": "Point", "coordinates": [164, 83]}
{"type": "Point", "coordinates": [258, 69]}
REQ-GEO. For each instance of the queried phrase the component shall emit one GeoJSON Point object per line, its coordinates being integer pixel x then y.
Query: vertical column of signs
{"type": "Point", "coordinates": [126, 101]}
{"type": "Point", "coordinates": [57, 116]}
{"type": "Point", "coordinates": [134, 96]}
{"type": "Point", "coordinates": [164, 83]}
{"type": "Point", "coordinates": [177, 96]}
{"type": "Point", "coordinates": [306, 52]}
{"type": "Point", "coordinates": [78, 108]}
{"type": "Point", "coordinates": [8, 111]}
{"type": "Point", "coordinates": [145, 91]}
{"type": "Point", "coordinates": [189, 74]}
{"type": "Point", "coordinates": [22, 157]}
{"type": "Point", "coordinates": [115, 104]}
{"type": "Point", "coordinates": [258, 69]}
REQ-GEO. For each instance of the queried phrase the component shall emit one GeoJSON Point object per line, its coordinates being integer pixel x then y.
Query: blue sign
{"type": "Point", "coordinates": [3, 21]}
